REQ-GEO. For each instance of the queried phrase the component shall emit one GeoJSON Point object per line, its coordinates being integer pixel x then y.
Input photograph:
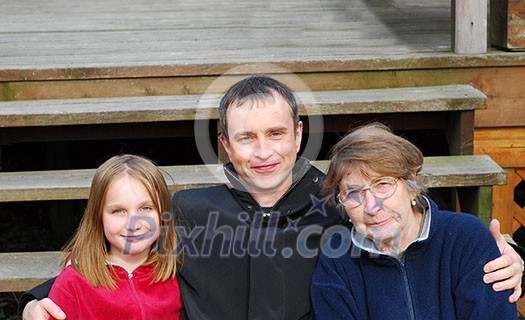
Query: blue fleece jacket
{"type": "Point", "coordinates": [439, 277]}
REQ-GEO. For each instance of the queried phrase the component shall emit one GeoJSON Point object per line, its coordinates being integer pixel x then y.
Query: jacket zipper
{"type": "Point", "coordinates": [135, 295]}
{"type": "Point", "coordinates": [285, 194]}
{"type": "Point", "coordinates": [408, 295]}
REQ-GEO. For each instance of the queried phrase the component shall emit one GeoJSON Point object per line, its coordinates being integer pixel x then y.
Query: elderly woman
{"type": "Point", "coordinates": [403, 258]}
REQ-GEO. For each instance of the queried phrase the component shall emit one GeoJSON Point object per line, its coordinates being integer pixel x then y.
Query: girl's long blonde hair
{"type": "Point", "coordinates": [88, 249]}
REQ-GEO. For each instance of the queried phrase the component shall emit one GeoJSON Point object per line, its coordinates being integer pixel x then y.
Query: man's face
{"type": "Point", "coordinates": [263, 145]}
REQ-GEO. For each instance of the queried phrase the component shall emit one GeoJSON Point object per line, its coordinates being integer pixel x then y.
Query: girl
{"type": "Point", "coordinates": [121, 260]}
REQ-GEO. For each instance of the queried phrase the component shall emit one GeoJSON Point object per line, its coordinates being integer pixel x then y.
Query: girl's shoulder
{"type": "Point", "coordinates": [69, 277]}
{"type": "Point", "coordinates": [69, 272]}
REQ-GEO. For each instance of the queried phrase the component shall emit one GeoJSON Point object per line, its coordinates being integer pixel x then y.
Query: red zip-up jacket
{"type": "Point", "coordinates": [135, 297]}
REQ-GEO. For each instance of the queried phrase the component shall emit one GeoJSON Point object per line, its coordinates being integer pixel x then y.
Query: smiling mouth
{"type": "Point", "coordinates": [133, 238]}
{"type": "Point", "coordinates": [378, 224]}
{"type": "Point", "coordinates": [265, 168]}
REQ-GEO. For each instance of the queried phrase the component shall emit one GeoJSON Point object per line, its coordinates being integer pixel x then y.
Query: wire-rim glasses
{"type": "Point", "coordinates": [381, 188]}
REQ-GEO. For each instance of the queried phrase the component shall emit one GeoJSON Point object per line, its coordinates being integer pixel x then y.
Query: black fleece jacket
{"type": "Point", "coordinates": [250, 262]}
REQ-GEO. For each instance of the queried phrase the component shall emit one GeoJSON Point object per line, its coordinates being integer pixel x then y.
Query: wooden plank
{"type": "Point", "coordinates": [469, 19]}
{"type": "Point", "coordinates": [460, 133]}
{"type": "Point", "coordinates": [476, 201]}
{"type": "Point", "coordinates": [190, 107]}
{"type": "Point", "coordinates": [22, 271]}
{"type": "Point", "coordinates": [502, 112]}
{"type": "Point", "coordinates": [497, 82]}
{"type": "Point", "coordinates": [49, 42]}
{"type": "Point", "coordinates": [100, 111]}
{"type": "Point", "coordinates": [75, 184]}
{"type": "Point", "coordinates": [450, 171]}
{"type": "Point", "coordinates": [515, 225]}
{"type": "Point", "coordinates": [507, 28]}
{"type": "Point", "coordinates": [504, 207]}
{"type": "Point", "coordinates": [520, 172]}
{"type": "Point", "coordinates": [520, 304]}
{"type": "Point", "coordinates": [461, 171]}
{"type": "Point", "coordinates": [97, 17]}
{"type": "Point", "coordinates": [268, 32]}
{"type": "Point", "coordinates": [306, 63]}
{"type": "Point", "coordinates": [505, 145]}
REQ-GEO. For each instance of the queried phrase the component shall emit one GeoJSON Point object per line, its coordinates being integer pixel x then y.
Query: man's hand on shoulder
{"type": "Point", "coordinates": [506, 271]}
{"type": "Point", "coordinates": [42, 310]}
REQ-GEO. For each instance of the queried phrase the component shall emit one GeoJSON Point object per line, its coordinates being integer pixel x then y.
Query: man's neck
{"type": "Point", "coordinates": [268, 199]}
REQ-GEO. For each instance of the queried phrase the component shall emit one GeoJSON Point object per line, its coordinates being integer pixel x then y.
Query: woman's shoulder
{"type": "Point", "coordinates": [339, 244]}
{"type": "Point", "coordinates": [458, 219]}
{"type": "Point", "coordinates": [452, 219]}
{"type": "Point", "coordinates": [464, 227]}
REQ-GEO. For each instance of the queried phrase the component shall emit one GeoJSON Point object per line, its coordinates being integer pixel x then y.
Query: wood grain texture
{"type": "Point", "coordinates": [450, 171]}
{"type": "Point", "coordinates": [469, 18]}
{"type": "Point", "coordinates": [23, 270]}
{"type": "Point", "coordinates": [195, 107]}
{"type": "Point", "coordinates": [71, 39]}
{"type": "Point", "coordinates": [507, 30]}
{"type": "Point", "coordinates": [505, 145]}
{"type": "Point", "coordinates": [504, 207]}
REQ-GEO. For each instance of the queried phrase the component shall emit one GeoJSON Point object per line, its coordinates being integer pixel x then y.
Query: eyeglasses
{"type": "Point", "coordinates": [381, 188]}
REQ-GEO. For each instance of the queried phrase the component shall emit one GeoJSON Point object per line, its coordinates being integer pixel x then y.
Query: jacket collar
{"type": "Point", "coordinates": [305, 180]}
{"type": "Point", "coordinates": [143, 269]}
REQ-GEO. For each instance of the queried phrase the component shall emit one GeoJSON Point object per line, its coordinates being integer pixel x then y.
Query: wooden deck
{"type": "Point", "coordinates": [100, 37]}
{"type": "Point", "coordinates": [63, 39]}
{"type": "Point", "coordinates": [138, 47]}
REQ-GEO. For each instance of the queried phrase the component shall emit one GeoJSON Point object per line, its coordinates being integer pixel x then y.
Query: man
{"type": "Point", "coordinates": [249, 248]}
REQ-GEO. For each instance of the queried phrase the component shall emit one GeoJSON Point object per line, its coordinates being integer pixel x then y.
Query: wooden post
{"type": "Point", "coordinates": [477, 201]}
{"type": "Point", "coordinates": [507, 24]}
{"type": "Point", "coordinates": [469, 26]}
{"type": "Point", "coordinates": [505, 209]}
{"type": "Point", "coordinates": [221, 153]}
{"type": "Point", "coordinates": [460, 133]}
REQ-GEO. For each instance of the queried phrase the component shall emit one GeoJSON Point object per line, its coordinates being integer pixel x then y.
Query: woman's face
{"type": "Point", "coordinates": [387, 217]}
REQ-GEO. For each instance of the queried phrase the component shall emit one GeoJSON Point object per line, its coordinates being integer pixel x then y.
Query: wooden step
{"type": "Point", "coordinates": [191, 107]}
{"type": "Point", "coordinates": [447, 109]}
{"type": "Point", "coordinates": [448, 171]}
{"type": "Point", "coordinates": [21, 271]}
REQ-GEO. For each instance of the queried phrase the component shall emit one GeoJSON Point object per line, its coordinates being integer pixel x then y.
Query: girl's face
{"type": "Point", "coordinates": [130, 220]}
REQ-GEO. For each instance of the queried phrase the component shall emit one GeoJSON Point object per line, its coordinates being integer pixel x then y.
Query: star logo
{"type": "Point", "coordinates": [292, 224]}
{"type": "Point", "coordinates": [318, 205]}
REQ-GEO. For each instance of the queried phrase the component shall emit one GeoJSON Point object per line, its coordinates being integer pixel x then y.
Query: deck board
{"type": "Point", "coordinates": [62, 34]}
{"type": "Point", "coordinates": [194, 107]}
{"type": "Point", "coordinates": [437, 172]}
